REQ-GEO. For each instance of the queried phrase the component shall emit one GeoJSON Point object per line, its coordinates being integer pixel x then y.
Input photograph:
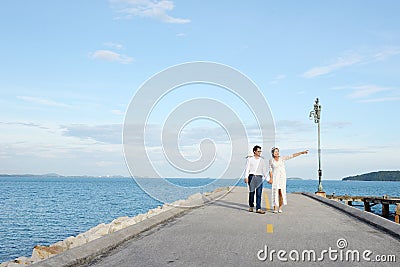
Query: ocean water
{"type": "Point", "coordinates": [46, 210]}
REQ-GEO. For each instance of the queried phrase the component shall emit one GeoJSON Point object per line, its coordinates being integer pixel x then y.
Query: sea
{"type": "Point", "coordinates": [45, 210]}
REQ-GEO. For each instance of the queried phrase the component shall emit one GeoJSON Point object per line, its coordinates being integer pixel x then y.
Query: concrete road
{"type": "Point", "coordinates": [224, 233]}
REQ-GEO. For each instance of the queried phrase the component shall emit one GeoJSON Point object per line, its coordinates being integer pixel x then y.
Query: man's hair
{"type": "Point", "coordinates": [255, 148]}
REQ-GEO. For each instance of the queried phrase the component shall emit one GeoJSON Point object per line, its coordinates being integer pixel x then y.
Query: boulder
{"type": "Point", "coordinates": [140, 217]}
{"type": "Point", "coordinates": [79, 240]}
{"type": "Point", "coordinates": [118, 224]}
{"type": "Point", "coordinates": [60, 244]}
{"type": "Point", "coordinates": [167, 206]}
{"type": "Point", "coordinates": [178, 203]}
{"type": "Point", "coordinates": [72, 241]}
{"type": "Point", "coordinates": [42, 252]}
{"type": "Point", "coordinates": [196, 196]}
{"type": "Point", "coordinates": [96, 232]}
{"type": "Point", "coordinates": [153, 212]}
{"type": "Point", "coordinates": [18, 262]}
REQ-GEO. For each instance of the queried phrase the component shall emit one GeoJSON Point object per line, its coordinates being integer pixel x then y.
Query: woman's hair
{"type": "Point", "coordinates": [273, 150]}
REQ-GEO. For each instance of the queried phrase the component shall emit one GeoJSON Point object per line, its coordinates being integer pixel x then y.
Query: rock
{"type": "Point", "coordinates": [96, 232]}
{"type": "Point", "coordinates": [42, 252]}
{"type": "Point", "coordinates": [24, 261]}
{"type": "Point", "coordinates": [79, 240]}
{"type": "Point", "coordinates": [60, 244]}
{"type": "Point", "coordinates": [196, 196]}
{"type": "Point", "coordinates": [153, 212]}
{"type": "Point", "coordinates": [167, 206]}
{"type": "Point", "coordinates": [130, 221]}
{"type": "Point", "coordinates": [21, 261]}
{"type": "Point", "coordinates": [12, 264]}
{"type": "Point", "coordinates": [178, 203]}
{"type": "Point", "coordinates": [72, 241]}
{"type": "Point", "coordinates": [140, 217]}
{"type": "Point", "coordinates": [119, 220]}
{"type": "Point", "coordinates": [118, 224]}
{"type": "Point", "coordinates": [126, 223]}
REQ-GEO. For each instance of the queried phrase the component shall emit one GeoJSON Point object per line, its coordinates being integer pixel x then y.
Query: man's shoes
{"type": "Point", "coordinates": [251, 209]}
{"type": "Point", "coordinates": [260, 211]}
{"type": "Point", "coordinates": [275, 211]}
{"type": "Point", "coordinates": [280, 210]}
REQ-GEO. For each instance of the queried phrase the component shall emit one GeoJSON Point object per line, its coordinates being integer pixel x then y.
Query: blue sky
{"type": "Point", "coordinates": [70, 68]}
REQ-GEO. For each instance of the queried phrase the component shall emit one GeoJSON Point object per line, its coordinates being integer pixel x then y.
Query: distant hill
{"type": "Point", "coordinates": [55, 175]}
{"type": "Point", "coordinates": [31, 175]}
{"type": "Point", "coordinates": [295, 178]}
{"type": "Point", "coordinates": [376, 176]}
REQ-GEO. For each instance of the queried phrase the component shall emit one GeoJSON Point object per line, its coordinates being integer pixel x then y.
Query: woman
{"type": "Point", "coordinates": [277, 175]}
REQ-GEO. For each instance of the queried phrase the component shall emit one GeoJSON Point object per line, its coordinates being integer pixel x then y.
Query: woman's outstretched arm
{"type": "Point", "coordinates": [300, 153]}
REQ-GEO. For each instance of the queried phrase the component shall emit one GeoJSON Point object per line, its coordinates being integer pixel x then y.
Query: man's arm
{"type": "Point", "coordinates": [246, 172]}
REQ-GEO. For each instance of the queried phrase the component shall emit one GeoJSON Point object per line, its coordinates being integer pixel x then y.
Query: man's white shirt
{"type": "Point", "coordinates": [256, 167]}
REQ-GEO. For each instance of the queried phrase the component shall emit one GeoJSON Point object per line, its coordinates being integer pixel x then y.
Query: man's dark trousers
{"type": "Point", "coordinates": [257, 192]}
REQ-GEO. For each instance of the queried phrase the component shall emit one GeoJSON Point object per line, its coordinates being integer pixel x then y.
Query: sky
{"type": "Point", "coordinates": [69, 70]}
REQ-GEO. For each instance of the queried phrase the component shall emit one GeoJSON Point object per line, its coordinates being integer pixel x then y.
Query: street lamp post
{"type": "Point", "coordinates": [316, 114]}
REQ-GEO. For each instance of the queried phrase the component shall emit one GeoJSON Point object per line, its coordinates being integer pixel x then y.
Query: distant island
{"type": "Point", "coordinates": [55, 175]}
{"type": "Point", "coordinates": [295, 178]}
{"type": "Point", "coordinates": [393, 176]}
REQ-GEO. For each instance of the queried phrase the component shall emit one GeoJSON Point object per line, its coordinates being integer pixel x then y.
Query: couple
{"type": "Point", "coordinates": [256, 169]}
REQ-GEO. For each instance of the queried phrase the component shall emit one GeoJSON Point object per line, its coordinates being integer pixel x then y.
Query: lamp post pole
{"type": "Point", "coordinates": [316, 114]}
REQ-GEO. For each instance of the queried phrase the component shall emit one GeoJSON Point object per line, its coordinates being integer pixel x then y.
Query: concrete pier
{"type": "Point", "coordinates": [309, 232]}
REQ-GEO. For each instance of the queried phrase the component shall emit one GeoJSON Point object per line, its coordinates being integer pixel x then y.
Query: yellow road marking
{"type": "Point", "coordinates": [270, 226]}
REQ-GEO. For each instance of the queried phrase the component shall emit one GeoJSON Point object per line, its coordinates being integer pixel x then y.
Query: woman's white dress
{"type": "Point", "coordinates": [277, 167]}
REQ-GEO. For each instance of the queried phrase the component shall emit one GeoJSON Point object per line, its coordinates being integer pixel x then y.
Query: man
{"type": "Point", "coordinates": [255, 170]}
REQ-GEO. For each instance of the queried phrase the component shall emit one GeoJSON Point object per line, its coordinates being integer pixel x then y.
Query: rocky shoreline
{"type": "Point", "coordinates": [40, 253]}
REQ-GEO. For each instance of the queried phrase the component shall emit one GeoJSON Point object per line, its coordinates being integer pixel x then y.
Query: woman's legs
{"type": "Point", "coordinates": [275, 198]}
{"type": "Point", "coordinates": [280, 199]}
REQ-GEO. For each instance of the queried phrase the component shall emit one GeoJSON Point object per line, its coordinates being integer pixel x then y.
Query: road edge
{"type": "Point", "coordinates": [377, 221]}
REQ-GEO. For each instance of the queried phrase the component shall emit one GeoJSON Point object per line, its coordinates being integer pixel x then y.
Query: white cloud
{"type": "Point", "coordinates": [364, 93]}
{"type": "Point", "coordinates": [105, 163]}
{"type": "Point", "coordinates": [26, 124]}
{"type": "Point", "coordinates": [117, 112]}
{"type": "Point", "coordinates": [277, 79]}
{"type": "Point", "coordinates": [109, 134]}
{"type": "Point", "coordinates": [382, 55]}
{"type": "Point", "coordinates": [180, 35]}
{"type": "Point", "coordinates": [381, 99]}
{"type": "Point", "coordinates": [341, 62]}
{"type": "Point", "coordinates": [111, 56]}
{"type": "Point", "coordinates": [147, 8]}
{"type": "Point", "coordinates": [42, 101]}
{"type": "Point", "coordinates": [292, 126]}
{"type": "Point", "coordinates": [351, 58]}
{"type": "Point", "coordinates": [113, 45]}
